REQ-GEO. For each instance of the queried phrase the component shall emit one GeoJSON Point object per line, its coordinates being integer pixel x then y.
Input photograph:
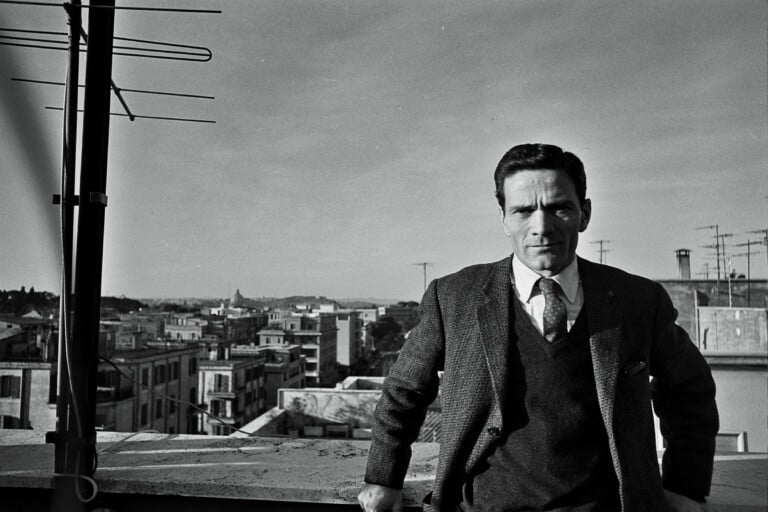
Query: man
{"type": "Point", "coordinates": [546, 399]}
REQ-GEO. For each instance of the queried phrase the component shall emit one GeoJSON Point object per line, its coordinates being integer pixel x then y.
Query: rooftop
{"type": "Point", "coordinates": [277, 473]}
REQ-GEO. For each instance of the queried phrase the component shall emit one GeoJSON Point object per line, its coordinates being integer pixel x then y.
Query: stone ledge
{"type": "Point", "coordinates": [277, 469]}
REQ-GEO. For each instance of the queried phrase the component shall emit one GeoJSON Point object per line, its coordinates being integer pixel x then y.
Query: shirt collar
{"type": "Point", "coordinates": [524, 279]}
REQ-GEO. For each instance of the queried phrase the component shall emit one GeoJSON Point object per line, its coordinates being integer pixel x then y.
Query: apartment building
{"type": "Point", "coordinates": [150, 392]}
{"type": "Point", "coordinates": [25, 396]}
{"type": "Point", "coordinates": [284, 367]}
{"type": "Point", "coordinates": [184, 327]}
{"type": "Point", "coordinates": [232, 391]}
{"type": "Point", "coordinates": [348, 338]}
{"type": "Point", "coordinates": [318, 343]}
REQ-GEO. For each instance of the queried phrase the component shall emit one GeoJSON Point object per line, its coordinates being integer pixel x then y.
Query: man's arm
{"type": "Point", "coordinates": [683, 393]}
{"type": "Point", "coordinates": [407, 392]}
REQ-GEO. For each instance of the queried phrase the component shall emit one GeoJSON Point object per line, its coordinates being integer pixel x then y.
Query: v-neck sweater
{"type": "Point", "coordinates": [555, 455]}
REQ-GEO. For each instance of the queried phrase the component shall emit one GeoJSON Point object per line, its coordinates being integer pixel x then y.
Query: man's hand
{"type": "Point", "coordinates": [377, 498]}
{"type": "Point", "coordinates": [680, 503]}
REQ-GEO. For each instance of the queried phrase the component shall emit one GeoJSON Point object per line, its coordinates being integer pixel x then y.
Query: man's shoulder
{"type": "Point", "coordinates": [474, 275]}
{"type": "Point", "coordinates": [614, 277]}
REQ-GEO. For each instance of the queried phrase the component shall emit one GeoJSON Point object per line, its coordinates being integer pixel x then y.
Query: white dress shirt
{"type": "Point", "coordinates": [524, 283]}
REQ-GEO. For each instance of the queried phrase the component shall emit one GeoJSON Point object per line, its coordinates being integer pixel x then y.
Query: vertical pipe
{"type": "Point", "coordinates": [69, 156]}
{"type": "Point", "coordinates": [749, 275]}
{"type": "Point", "coordinates": [717, 248]}
{"type": "Point", "coordinates": [83, 356]}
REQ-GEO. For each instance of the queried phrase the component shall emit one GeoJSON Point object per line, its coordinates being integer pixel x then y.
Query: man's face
{"type": "Point", "coordinates": [543, 218]}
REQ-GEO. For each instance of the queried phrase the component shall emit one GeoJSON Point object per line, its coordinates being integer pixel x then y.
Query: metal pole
{"type": "Point", "coordinates": [83, 354]}
{"type": "Point", "coordinates": [63, 437]}
{"type": "Point", "coordinates": [749, 276]}
{"type": "Point", "coordinates": [717, 248]}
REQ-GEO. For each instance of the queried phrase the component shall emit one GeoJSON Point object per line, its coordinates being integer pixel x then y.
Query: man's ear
{"type": "Point", "coordinates": [586, 214]}
{"type": "Point", "coordinates": [502, 218]}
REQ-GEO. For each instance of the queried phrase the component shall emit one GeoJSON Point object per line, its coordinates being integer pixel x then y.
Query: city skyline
{"type": "Point", "coordinates": [354, 140]}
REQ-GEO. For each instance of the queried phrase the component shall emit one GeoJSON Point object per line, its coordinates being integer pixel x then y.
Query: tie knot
{"type": "Point", "coordinates": [548, 286]}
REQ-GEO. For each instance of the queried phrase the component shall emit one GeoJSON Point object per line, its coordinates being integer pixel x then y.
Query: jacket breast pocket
{"type": "Point", "coordinates": [634, 373]}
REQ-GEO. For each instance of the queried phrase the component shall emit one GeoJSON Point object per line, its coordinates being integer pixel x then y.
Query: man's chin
{"type": "Point", "coordinates": [546, 266]}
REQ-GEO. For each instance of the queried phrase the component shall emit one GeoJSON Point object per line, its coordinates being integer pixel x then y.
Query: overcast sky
{"type": "Point", "coordinates": [354, 139]}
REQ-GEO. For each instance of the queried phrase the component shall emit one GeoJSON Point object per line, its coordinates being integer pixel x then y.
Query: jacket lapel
{"type": "Point", "coordinates": [604, 327]}
{"type": "Point", "coordinates": [493, 317]}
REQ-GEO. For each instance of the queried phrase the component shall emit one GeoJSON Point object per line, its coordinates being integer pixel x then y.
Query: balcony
{"type": "Point", "coordinates": [112, 393]}
{"type": "Point", "coordinates": [153, 472]}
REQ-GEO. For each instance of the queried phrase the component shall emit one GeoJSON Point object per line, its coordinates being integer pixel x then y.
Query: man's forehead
{"type": "Point", "coordinates": [530, 180]}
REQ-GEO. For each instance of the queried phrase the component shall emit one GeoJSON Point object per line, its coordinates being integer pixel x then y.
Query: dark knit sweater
{"type": "Point", "coordinates": [555, 456]}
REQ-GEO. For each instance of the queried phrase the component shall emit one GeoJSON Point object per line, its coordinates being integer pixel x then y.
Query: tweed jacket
{"type": "Point", "coordinates": [465, 329]}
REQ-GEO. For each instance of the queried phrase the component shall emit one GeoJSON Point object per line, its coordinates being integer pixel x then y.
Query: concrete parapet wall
{"type": "Point", "coordinates": [733, 331]}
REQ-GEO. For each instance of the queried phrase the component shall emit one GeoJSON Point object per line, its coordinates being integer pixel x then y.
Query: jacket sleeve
{"type": "Point", "coordinates": [409, 389]}
{"type": "Point", "coordinates": [683, 394]}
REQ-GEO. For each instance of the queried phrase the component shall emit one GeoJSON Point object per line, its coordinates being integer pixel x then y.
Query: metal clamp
{"type": "Point", "coordinates": [73, 200]}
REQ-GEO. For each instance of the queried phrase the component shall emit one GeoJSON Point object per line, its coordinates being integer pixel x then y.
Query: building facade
{"type": "Point", "coordinates": [284, 367]}
{"type": "Point", "coordinates": [25, 396]}
{"type": "Point", "coordinates": [348, 341]}
{"type": "Point", "coordinates": [151, 391]}
{"type": "Point", "coordinates": [232, 392]}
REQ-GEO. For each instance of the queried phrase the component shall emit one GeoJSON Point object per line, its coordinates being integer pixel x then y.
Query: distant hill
{"type": "Point", "coordinates": [20, 302]}
{"type": "Point", "coordinates": [367, 302]}
{"type": "Point", "coordinates": [273, 302]}
{"type": "Point", "coordinates": [121, 304]}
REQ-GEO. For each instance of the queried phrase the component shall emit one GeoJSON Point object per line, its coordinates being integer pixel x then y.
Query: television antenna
{"type": "Point", "coordinates": [424, 265]}
{"type": "Point", "coordinates": [601, 251]}
{"type": "Point", "coordinates": [75, 436]}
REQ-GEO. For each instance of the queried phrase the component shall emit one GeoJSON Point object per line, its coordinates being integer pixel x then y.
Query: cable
{"type": "Point", "coordinates": [78, 493]}
{"type": "Point", "coordinates": [177, 400]}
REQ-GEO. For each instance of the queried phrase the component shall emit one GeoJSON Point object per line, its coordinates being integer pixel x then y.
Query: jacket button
{"type": "Point", "coordinates": [494, 431]}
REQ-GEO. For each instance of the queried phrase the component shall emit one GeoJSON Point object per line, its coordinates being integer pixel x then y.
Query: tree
{"type": "Point", "coordinates": [387, 335]}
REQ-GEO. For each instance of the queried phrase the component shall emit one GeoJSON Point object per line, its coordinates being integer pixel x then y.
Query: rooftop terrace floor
{"type": "Point", "coordinates": [159, 471]}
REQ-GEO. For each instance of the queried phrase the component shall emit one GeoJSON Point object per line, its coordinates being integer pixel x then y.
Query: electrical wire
{"type": "Point", "coordinates": [172, 399]}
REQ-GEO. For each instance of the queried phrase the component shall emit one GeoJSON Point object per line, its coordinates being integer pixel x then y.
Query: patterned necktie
{"type": "Point", "coordinates": [554, 310]}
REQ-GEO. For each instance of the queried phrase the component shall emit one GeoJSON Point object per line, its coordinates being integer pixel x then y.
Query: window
{"type": "Point", "coordinates": [9, 422]}
{"type": "Point", "coordinates": [175, 370]}
{"type": "Point", "coordinates": [193, 395]}
{"type": "Point", "coordinates": [145, 376]}
{"type": "Point", "coordinates": [10, 386]}
{"type": "Point", "coordinates": [192, 366]}
{"type": "Point", "coordinates": [144, 415]}
{"type": "Point", "coordinates": [160, 374]}
{"type": "Point", "coordinates": [221, 383]}
{"type": "Point", "coordinates": [159, 408]}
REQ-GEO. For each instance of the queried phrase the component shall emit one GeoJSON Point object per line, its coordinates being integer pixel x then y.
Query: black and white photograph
{"type": "Point", "coordinates": [389, 256]}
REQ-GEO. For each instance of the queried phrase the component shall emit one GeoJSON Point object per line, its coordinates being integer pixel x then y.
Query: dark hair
{"type": "Point", "coordinates": [540, 156]}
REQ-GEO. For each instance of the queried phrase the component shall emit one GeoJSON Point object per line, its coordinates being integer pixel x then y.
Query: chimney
{"type": "Point", "coordinates": [683, 263]}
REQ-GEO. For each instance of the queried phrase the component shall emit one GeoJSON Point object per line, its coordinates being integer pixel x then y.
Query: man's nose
{"type": "Point", "coordinates": [540, 222]}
